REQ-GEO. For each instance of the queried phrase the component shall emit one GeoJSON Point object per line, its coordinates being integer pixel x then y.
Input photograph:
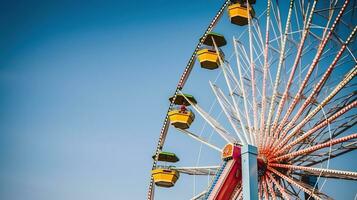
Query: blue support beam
{"type": "Point", "coordinates": [250, 172]}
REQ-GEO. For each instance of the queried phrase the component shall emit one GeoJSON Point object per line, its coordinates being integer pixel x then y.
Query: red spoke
{"type": "Point", "coordinates": [322, 171]}
{"type": "Point", "coordinates": [316, 128]}
{"type": "Point", "coordinates": [293, 182]}
{"type": "Point", "coordinates": [280, 188]}
{"type": "Point", "coordinates": [311, 69]}
{"type": "Point", "coordinates": [315, 148]}
{"type": "Point", "coordinates": [319, 85]}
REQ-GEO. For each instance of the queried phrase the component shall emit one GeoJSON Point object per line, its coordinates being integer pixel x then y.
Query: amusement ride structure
{"type": "Point", "coordinates": [289, 98]}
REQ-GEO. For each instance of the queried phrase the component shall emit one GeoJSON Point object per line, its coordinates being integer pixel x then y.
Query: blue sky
{"type": "Point", "coordinates": [83, 92]}
{"type": "Point", "coordinates": [83, 89]}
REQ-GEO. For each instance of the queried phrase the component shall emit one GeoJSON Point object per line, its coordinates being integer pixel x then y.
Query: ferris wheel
{"type": "Point", "coordinates": [285, 87]}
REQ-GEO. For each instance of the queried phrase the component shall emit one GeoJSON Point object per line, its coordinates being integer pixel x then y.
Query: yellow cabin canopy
{"type": "Point", "coordinates": [165, 177]}
{"type": "Point", "coordinates": [181, 100]}
{"type": "Point", "coordinates": [238, 14]}
{"type": "Point", "coordinates": [218, 39]}
{"type": "Point", "coordinates": [181, 119]}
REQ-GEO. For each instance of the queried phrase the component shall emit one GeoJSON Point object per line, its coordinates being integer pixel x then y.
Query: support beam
{"type": "Point", "coordinates": [212, 122]}
{"type": "Point", "coordinates": [199, 196]}
{"type": "Point", "coordinates": [250, 172]}
{"type": "Point", "coordinates": [204, 170]}
{"type": "Point", "coordinates": [200, 139]}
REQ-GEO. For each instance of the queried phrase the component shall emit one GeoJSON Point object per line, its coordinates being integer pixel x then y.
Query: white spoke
{"type": "Point", "coordinates": [211, 121]}
{"type": "Point", "coordinates": [200, 139]}
{"type": "Point", "coordinates": [204, 170]}
{"type": "Point", "coordinates": [278, 73]}
{"type": "Point", "coordinates": [252, 74]}
{"type": "Point", "coordinates": [230, 113]}
{"type": "Point", "coordinates": [199, 196]}
{"type": "Point", "coordinates": [244, 95]}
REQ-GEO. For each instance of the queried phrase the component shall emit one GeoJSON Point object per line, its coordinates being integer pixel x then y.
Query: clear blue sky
{"type": "Point", "coordinates": [83, 92]}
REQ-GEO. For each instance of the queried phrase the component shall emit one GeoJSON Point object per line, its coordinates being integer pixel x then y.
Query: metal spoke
{"type": "Point", "coordinates": [311, 69]}
{"type": "Point", "coordinates": [320, 171]}
{"type": "Point", "coordinates": [206, 170]}
{"type": "Point", "coordinates": [211, 121]}
{"type": "Point", "coordinates": [298, 184]}
{"type": "Point", "coordinates": [316, 147]}
{"type": "Point", "coordinates": [200, 139]}
{"type": "Point", "coordinates": [348, 78]}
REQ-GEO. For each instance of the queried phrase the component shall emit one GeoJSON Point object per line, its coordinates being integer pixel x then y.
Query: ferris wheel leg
{"type": "Point", "coordinates": [250, 172]}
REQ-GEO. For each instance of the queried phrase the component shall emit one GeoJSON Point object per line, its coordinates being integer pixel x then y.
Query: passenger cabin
{"type": "Point", "coordinates": [208, 56]}
{"type": "Point", "coordinates": [180, 116]}
{"type": "Point", "coordinates": [165, 177]}
{"type": "Point", "coordinates": [208, 59]}
{"type": "Point", "coordinates": [238, 13]}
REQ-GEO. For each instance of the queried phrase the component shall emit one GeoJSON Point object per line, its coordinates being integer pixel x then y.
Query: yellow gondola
{"type": "Point", "coordinates": [238, 14]}
{"type": "Point", "coordinates": [165, 177]}
{"type": "Point", "coordinates": [181, 119]}
{"type": "Point", "coordinates": [208, 58]}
